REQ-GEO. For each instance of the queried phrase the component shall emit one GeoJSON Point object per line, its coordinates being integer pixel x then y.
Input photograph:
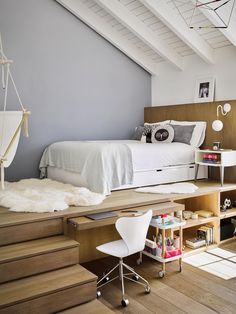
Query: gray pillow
{"type": "Point", "coordinates": [183, 133]}
{"type": "Point", "coordinates": [138, 132]}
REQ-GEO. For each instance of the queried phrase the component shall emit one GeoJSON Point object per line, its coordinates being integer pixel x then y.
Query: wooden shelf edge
{"type": "Point", "coordinates": [229, 213]}
{"type": "Point", "coordinates": [188, 251]}
{"type": "Point", "coordinates": [198, 222]}
{"type": "Point", "coordinates": [228, 240]}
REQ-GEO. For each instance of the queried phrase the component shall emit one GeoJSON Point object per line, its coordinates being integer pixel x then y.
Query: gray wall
{"type": "Point", "coordinates": [75, 83]}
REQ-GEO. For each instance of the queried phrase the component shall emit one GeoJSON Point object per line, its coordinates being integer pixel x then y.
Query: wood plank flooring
{"type": "Point", "coordinates": [192, 291]}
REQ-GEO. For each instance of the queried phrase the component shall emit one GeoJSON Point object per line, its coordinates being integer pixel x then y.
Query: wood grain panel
{"type": "Point", "coordinates": [27, 249]}
{"type": "Point", "coordinates": [30, 288]}
{"type": "Point", "coordinates": [93, 307]}
{"type": "Point", "coordinates": [55, 302]}
{"type": "Point", "coordinates": [30, 231]}
{"type": "Point", "coordinates": [38, 264]}
{"type": "Point", "coordinates": [202, 112]}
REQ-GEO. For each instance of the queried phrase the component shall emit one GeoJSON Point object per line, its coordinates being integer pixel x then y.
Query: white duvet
{"type": "Point", "coordinates": [150, 156]}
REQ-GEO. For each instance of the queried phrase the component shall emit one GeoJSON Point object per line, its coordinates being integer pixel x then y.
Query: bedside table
{"type": "Point", "coordinates": [215, 158]}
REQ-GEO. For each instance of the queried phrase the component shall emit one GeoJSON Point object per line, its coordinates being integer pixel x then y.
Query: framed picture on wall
{"type": "Point", "coordinates": [204, 89]}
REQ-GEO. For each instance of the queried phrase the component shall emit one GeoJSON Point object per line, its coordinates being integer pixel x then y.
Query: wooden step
{"type": "Point", "coordinates": [48, 293]}
{"type": "Point", "coordinates": [92, 307]}
{"type": "Point", "coordinates": [37, 256]}
{"type": "Point", "coordinates": [31, 230]}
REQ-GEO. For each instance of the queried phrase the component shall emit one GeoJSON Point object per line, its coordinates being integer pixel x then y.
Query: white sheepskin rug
{"type": "Point", "coordinates": [41, 196]}
{"type": "Point", "coordinates": [184, 187]}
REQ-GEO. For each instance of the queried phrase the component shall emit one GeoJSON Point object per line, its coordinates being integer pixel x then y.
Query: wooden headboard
{"type": "Point", "coordinates": [201, 112]}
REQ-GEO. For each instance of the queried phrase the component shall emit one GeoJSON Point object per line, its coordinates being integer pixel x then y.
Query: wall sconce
{"type": "Point", "coordinates": [217, 125]}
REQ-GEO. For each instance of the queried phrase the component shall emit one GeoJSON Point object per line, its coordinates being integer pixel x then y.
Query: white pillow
{"type": "Point", "coordinates": [199, 131]}
{"type": "Point", "coordinates": [157, 123]}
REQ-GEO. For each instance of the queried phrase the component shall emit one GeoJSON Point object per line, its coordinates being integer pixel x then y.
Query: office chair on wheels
{"type": "Point", "coordinates": [133, 231]}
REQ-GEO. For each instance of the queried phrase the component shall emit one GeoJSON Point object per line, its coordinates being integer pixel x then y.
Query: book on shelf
{"type": "Point", "coordinates": [205, 233]}
{"type": "Point", "coordinates": [195, 243]}
{"type": "Point", "coordinates": [211, 158]}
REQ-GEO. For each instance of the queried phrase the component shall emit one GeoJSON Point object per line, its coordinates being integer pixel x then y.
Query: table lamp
{"type": "Point", "coordinates": [217, 125]}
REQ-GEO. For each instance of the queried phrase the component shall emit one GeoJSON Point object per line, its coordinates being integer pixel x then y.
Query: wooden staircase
{"type": "Point", "coordinates": [39, 270]}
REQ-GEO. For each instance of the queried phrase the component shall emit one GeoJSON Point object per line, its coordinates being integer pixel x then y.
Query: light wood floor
{"type": "Point", "coordinates": [192, 291]}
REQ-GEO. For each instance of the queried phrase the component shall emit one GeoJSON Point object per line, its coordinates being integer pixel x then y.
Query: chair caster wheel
{"type": "Point", "coordinates": [135, 277]}
{"type": "Point", "coordinates": [106, 279]}
{"type": "Point", "coordinates": [124, 302]}
{"type": "Point", "coordinates": [139, 261]}
{"type": "Point", "coordinates": [98, 294]}
{"type": "Point", "coordinates": [147, 289]}
{"type": "Point", "coordinates": [161, 274]}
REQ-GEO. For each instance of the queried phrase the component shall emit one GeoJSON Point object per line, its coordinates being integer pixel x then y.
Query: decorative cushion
{"type": "Point", "coordinates": [199, 131]}
{"type": "Point", "coordinates": [138, 132]}
{"type": "Point", "coordinates": [148, 128]}
{"type": "Point", "coordinates": [183, 133]}
{"type": "Point", "coordinates": [162, 134]}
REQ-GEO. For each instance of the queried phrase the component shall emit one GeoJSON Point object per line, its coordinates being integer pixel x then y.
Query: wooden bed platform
{"type": "Point", "coordinates": [49, 248]}
{"type": "Point", "coordinates": [121, 199]}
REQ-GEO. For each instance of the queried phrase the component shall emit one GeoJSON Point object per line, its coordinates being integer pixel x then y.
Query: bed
{"type": "Point", "coordinates": [103, 166]}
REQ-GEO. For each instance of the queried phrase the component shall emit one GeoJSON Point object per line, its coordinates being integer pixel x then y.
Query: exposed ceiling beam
{"type": "Point", "coordinates": [129, 20]}
{"type": "Point", "coordinates": [230, 32]}
{"type": "Point", "coordinates": [95, 22]}
{"type": "Point", "coordinates": [176, 24]}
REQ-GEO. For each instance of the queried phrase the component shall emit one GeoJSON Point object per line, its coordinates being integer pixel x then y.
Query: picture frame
{"type": "Point", "coordinates": [204, 89]}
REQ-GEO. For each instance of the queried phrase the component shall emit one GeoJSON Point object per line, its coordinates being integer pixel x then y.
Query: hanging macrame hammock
{"type": "Point", "coordinates": [11, 122]}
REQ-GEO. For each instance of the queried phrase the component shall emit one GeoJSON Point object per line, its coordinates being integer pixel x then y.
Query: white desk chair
{"type": "Point", "coordinates": [133, 231]}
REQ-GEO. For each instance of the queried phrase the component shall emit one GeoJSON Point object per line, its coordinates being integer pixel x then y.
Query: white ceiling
{"type": "Point", "coordinates": [153, 31]}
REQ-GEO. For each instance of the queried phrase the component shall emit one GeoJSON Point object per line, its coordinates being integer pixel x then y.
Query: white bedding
{"type": "Point", "coordinates": [146, 159]}
{"type": "Point", "coordinates": [148, 156]}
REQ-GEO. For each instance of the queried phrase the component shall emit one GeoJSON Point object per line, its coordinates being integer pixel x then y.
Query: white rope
{"type": "Point", "coordinates": [2, 56]}
{"type": "Point", "coordinates": [2, 176]}
{"type": "Point", "coordinates": [17, 94]}
{"type": "Point", "coordinates": [6, 88]}
{"type": "Point", "coordinates": [5, 82]}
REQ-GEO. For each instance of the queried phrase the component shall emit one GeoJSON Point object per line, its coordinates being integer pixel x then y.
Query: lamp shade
{"type": "Point", "coordinates": [217, 125]}
{"type": "Point", "coordinates": [227, 107]}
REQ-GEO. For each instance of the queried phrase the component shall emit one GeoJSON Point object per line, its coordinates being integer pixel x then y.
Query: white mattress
{"type": "Point", "coordinates": [147, 156]}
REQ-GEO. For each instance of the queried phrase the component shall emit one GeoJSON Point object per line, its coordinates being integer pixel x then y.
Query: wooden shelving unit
{"type": "Point", "coordinates": [229, 213]}
{"type": "Point", "coordinates": [210, 201]}
{"type": "Point", "coordinates": [200, 221]}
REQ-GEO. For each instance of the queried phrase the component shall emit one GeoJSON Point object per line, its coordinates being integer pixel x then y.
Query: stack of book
{"type": "Point", "coordinates": [211, 158]}
{"type": "Point", "coordinates": [206, 233]}
{"type": "Point", "coordinates": [204, 237]}
{"type": "Point", "coordinates": [195, 243]}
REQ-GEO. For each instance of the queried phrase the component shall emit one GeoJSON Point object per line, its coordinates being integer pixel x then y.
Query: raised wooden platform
{"type": "Point", "coordinates": [39, 268]}
{"type": "Point", "coordinates": [122, 199]}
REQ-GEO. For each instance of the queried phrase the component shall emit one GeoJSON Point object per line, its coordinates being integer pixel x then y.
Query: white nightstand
{"type": "Point", "coordinates": [225, 158]}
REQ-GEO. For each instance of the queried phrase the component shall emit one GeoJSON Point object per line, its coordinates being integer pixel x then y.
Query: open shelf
{"type": "Point", "coordinates": [188, 251]}
{"type": "Point", "coordinates": [200, 221]}
{"type": "Point", "coordinates": [228, 240]}
{"type": "Point", "coordinates": [228, 213]}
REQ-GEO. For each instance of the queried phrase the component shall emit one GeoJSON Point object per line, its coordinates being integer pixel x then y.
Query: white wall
{"type": "Point", "coordinates": [172, 87]}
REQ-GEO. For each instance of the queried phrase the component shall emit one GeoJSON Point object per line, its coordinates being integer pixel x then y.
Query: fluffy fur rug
{"type": "Point", "coordinates": [40, 196]}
